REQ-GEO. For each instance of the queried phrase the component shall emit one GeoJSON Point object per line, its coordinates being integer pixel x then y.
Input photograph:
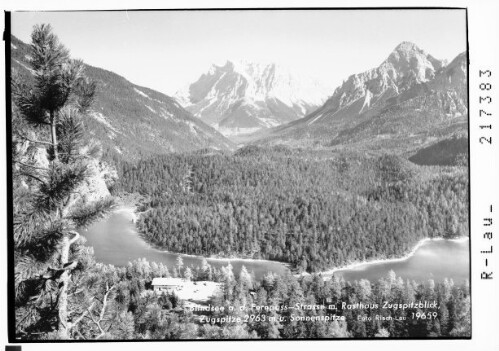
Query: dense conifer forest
{"type": "Point", "coordinates": [313, 209]}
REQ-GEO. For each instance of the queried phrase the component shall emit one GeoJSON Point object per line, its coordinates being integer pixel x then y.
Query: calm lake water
{"type": "Point", "coordinates": [432, 260]}
{"type": "Point", "coordinates": [115, 241]}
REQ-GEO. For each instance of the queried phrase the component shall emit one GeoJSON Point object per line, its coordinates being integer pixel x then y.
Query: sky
{"type": "Point", "coordinates": [167, 50]}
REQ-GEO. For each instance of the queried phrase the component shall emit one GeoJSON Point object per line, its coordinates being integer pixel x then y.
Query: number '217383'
{"type": "Point", "coordinates": [485, 101]}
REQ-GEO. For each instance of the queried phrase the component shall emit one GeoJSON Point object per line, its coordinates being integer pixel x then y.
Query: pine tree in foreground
{"type": "Point", "coordinates": [48, 204]}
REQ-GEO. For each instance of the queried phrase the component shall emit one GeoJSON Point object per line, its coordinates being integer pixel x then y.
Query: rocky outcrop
{"type": "Point", "coordinates": [101, 176]}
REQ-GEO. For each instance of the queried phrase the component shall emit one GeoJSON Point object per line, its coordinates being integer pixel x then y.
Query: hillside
{"type": "Point", "coordinates": [446, 152]}
{"type": "Point", "coordinates": [133, 121]}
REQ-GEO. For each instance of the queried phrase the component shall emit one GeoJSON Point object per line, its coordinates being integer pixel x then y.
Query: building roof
{"type": "Point", "coordinates": [168, 281]}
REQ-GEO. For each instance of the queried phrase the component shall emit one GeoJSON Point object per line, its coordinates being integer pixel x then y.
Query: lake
{"type": "Point", "coordinates": [436, 259]}
{"type": "Point", "coordinates": [116, 241]}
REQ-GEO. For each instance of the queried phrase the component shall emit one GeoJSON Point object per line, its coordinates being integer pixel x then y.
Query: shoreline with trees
{"type": "Point", "coordinates": [130, 212]}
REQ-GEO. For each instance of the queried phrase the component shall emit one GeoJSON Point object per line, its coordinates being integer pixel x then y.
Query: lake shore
{"type": "Point", "coordinates": [131, 213]}
{"type": "Point", "coordinates": [356, 265]}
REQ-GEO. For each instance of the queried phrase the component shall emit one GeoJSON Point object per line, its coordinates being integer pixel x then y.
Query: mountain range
{"type": "Point", "coordinates": [412, 104]}
{"type": "Point", "coordinates": [242, 97]}
{"type": "Point", "coordinates": [409, 102]}
{"type": "Point", "coordinates": [131, 121]}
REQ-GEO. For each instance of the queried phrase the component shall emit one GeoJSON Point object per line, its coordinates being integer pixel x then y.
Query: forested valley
{"type": "Point", "coordinates": [313, 209]}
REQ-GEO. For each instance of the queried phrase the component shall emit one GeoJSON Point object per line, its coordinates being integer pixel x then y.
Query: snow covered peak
{"type": "Point", "coordinates": [255, 80]}
{"type": "Point", "coordinates": [264, 90]}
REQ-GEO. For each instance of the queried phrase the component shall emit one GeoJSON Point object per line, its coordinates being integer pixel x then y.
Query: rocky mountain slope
{"type": "Point", "coordinates": [410, 101]}
{"type": "Point", "coordinates": [132, 121]}
{"type": "Point", "coordinates": [243, 97]}
{"type": "Point", "coordinates": [406, 67]}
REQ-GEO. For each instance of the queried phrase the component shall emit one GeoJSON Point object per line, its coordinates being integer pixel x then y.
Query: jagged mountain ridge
{"type": "Point", "coordinates": [405, 67]}
{"type": "Point", "coordinates": [241, 97]}
{"type": "Point", "coordinates": [410, 101]}
{"type": "Point", "coordinates": [133, 121]}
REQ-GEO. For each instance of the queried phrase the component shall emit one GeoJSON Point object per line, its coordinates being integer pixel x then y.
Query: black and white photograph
{"type": "Point", "coordinates": [230, 174]}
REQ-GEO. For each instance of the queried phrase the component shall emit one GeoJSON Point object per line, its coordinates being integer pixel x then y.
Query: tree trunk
{"type": "Point", "coordinates": [53, 134]}
{"type": "Point", "coordinates": [63, 291]}
{"type": "Point", "coordinates": [63, 325]}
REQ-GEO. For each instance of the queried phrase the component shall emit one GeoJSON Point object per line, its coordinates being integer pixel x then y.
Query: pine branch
{"type": "Point", "coordinates": [87, 214]}
{"type": "Point", "coordinates": [28, 104]}
{"type": "Point", "coordinates": [70, 133]}
{"type": "Point", "coordinates": [63, 180]}
{"type": "Point", "coordinates": [24, 137]}
{"type": "Point", "coordinates": [29, 286]}
{"type": "Point", "coordinates": [35, 167]}
{"type": "Point", "coordinates": [75, 237]}
{"type": "Point", "coordinates": [104, 302]}
{"type": "Point", "coordinates": [94, 151]}
{"type": "Point", "coordinates": [81, 335]}
{"type": "Point", "coordinates": [77, 292]}
{"type": "Point", "coordinates": [103, 310]}
{"type": "Point", "coordinates": [83, 315]}
{"type": "Point", "coordinates": [46, 49]}
{"type": "Point", "coordinates": [34, 243]}
{"type": "Point", "coordinates": [32, 177]}
{"type": "Point", "coordinates": [85, 93]}
{"type": "Point", "coordinates": [39, 242]}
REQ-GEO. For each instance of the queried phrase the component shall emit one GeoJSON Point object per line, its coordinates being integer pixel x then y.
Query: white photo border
{"type": "Point", "coordinates": [483, 33]}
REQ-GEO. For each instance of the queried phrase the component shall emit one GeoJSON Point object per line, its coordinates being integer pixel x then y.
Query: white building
{"type": "Point", "coordinates": [168, 284]}
{"type": "Point", "coordinates": [186, 289]}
